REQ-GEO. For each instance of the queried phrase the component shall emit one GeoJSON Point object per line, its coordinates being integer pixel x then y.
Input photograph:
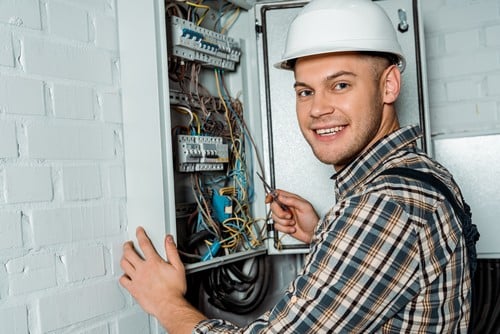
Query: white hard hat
{"type": "Point", "coordinates": [325, 26]}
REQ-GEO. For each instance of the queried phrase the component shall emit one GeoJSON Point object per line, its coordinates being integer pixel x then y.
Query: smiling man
{"type": "Point", "coordinates": [390, 255]}
{"type": "Point", "coordinates": [341, 99]}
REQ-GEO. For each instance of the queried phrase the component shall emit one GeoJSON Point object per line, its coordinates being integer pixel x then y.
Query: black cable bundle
{"type": "Point", "coordinates": [230, 289]}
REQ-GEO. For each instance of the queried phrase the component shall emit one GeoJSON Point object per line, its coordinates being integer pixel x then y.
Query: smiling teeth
{"type": "Point", "coordinates": [330, 131]}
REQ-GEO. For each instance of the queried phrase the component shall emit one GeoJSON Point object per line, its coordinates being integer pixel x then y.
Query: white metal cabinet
{"type": "Point", "coordinates": [267, 98]}
{"type": "Point", "coordinates": [149, 176]}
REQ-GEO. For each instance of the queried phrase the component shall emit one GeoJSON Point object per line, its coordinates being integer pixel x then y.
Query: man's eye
{"type": "Point", "coordinates": [341, 85]}
{"type": "Point", "coordinates": [304, 93]}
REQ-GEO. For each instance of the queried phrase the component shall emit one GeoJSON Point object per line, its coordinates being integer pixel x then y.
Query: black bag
{"type": "Point", "coordinates": [471, 234]}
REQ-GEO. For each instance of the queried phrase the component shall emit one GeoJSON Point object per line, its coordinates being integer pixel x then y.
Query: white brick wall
{"type": "Point", "coordinates": [6, 50]}
{"type": "Point", "coordinates": [73, 102]}
{"type": "Point", "coordinates": [463, 62]}
{"type": "Point", "coordinates": [62, 190]}
{"type": "Point", "coordinates": [19, 95]}
{"type": "Point", "coordinates": [10, 230]}
{"type": "Point", "coordinates": [8, 140]}
{"type": "Point", "coordinates": [14, 320]}
{"type": "Point", "coordinates": [62, 309]}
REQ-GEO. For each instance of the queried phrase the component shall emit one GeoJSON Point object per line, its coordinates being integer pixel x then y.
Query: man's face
{"type": "Point", "coordinates": [339, 104]}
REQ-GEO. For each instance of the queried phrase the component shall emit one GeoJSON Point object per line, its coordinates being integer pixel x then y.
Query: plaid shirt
{"type": "Point", "coordinates": [389, 257]}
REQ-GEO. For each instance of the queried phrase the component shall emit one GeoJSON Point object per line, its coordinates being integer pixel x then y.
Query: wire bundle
{"type": "Point", "coordinates": [210, 233]}
{"type": "Point", "coordinates": [221, 222]}
{"type": "Point", "coordinates": [239, 287]}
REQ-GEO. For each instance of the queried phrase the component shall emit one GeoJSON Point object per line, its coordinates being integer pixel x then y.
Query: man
{"type": "Point", "coordinates": [389, 257]}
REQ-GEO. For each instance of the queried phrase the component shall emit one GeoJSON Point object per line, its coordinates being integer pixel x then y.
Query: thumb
{"type": "Point", "coordinates": [172, 254]}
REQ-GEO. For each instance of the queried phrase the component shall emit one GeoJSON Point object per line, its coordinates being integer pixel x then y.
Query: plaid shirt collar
{"type": "Point", "coordinates": [365, 165]}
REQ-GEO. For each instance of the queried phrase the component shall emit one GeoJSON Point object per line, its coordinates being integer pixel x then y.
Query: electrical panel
{"type": "Point", "coordinates": [210, 113]}
{"type": "Point", "coordinates": [226, 115]}
{"type": "Point", "coordinates": [194, 43]}
{"type": "Point", "coordinates": [212, 146]}
{"type": "Point", "coordinates": [201, 153]}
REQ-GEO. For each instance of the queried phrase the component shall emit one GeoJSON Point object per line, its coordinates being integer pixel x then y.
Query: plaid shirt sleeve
{"type": "Point", "coordinates": [363, 269]}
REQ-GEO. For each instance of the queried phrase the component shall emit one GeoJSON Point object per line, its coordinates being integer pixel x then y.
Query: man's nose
{"type": "Point", "coordinates": [321, 105]}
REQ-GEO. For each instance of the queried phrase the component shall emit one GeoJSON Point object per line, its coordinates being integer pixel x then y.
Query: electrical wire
{"type": "Point", "coordinates": [237, 287]}
{"type": "Point", "coordinates": [233, 289]}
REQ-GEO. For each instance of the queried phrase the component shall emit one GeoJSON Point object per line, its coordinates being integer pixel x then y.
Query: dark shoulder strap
{"type": "Point", "coordinates": [471, 234]}
{"type": "Point", "coordinates": [430, 180]}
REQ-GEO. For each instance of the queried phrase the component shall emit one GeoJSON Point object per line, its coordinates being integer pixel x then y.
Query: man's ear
{"type": "Point", "coordinates": [391, 84]}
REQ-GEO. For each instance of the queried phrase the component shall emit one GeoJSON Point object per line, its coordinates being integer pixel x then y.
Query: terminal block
{"type": "Point", "coordinates": [195, 43]}
{"type": "Point", "coordinates": [201, 153]}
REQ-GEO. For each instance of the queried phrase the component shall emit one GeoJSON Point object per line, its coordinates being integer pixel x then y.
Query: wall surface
{"type": "Point", "coordinates": [463, 64]}
{"type": "Point", "coordinates": [62, 189]}
{"type": "Point", "coordinates": [62, 186]}
{"type": "Point", "coordinates": [463, 53]}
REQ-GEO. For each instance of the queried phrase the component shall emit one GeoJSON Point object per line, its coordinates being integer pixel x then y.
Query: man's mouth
{"type": "Point", "coordinates": [330, 131]}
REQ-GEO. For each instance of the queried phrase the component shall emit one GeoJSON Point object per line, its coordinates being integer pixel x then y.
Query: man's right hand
{"type": "Point", "coordinates": [298, 220]}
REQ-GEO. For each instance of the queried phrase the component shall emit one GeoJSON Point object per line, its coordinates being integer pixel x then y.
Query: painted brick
{"type": "Point", "coordinates": [462, 41]}
{"type": "Point", "coordinates": [81, 304]}
{"type": "Point", "coordinates": [70, 142]}
{"type": "Point", "coordinates": [2, 185]}
{"type": "Point", "coordinates": [33, 272]}
{"type": "Point", "coordinates": [83, 263]}
{"type": "Point", "coordinates": [117, 181]}
{"type": "Point", "coordinates": [81, 183]}
{"type": "Point", "coordinates": [106, 32]}
{"type": "Point", "coordinates": [22, 96]}
{"type": "Point", "coordinates": [433, 5]}
{"type": "Point", "coordinates": [102, 329]}
{"type": "Point", "coordinates": [466, 89]}
{"type": "Point", "coordinates": [11, 234]}
{"type": "Point", "coordinates": [493, 84]}
{"type": "Point", "coordinates": [454, 66]}
{"type": "Point", "coordinates": [73, 102]}
{"type": "Point", "coordinates": [48, 58]}
{"type": "Point", "coordinates": [437, 91]}
{"type": "Point", "coordinates": [24, 13]}
{"type": "Point", "coordinates": [111, 107]}
{"type": "Point", "coordinates": [458, 16]}
{"type": "Point", "coordinates": [68, 21]}
{"type": "Point", "coordinates": [6, 50]}
{"type": "Point", "coordinates": [8, 140]}
{"type": "Point", "coordinates": [493, 35]}
{"type": "Point", "coordinates": [116, 256]}
{"type": "Point", "coordinates": [4, 282]}
{"type": "Point", "coordinates": [433, 46]}
{"type": "Point", "coordinates": [463, 117]}
{"type": "Point", "coordinates": [94, 5]}
{"type": "Point", "coordinates": [14, 320]}
{"type": "Point", "coordinates": [28, 184]}
{"type": "Point", "coordinates": [134, 323]}
{"type": "Point", "coordinates": [67, 225]}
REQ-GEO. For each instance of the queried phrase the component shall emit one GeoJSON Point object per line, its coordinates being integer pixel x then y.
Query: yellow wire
{"type": "Point", "coordinates": [193, 116]}
{"type": "Point", "coordinates": [231, 20]}
{"type": "Point", "coordinates": [197, 5]}
{"type": "Point", "coordinates": [226, 113]}
{"type": "Point", "coordinates": [207, 9]}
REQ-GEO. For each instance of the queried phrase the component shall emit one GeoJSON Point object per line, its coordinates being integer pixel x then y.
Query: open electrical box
{"type": "Point", "coordinates": [205, 111]}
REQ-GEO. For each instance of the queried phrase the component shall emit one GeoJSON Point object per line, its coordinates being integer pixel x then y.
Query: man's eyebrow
{"type": "Point", "coordinates": [339, 74]}
{"type": "Point", "coordinates": [328, 78]}
{"type": "Point", "coordinates": [298, 83]}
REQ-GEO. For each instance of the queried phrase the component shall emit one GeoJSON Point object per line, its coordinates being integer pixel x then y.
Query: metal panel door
{"type": "Point", "coordinates": [290, 161]}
